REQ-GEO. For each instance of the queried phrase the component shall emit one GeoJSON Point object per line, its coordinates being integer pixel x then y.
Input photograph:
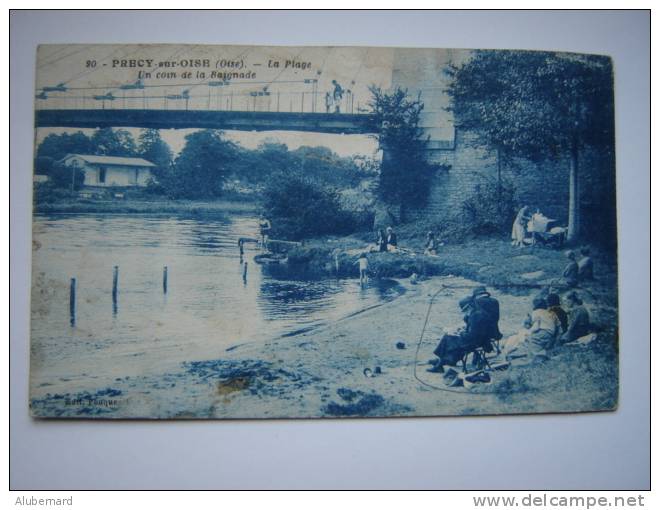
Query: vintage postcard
{"type": "Point", "coordinates": [322, 232]}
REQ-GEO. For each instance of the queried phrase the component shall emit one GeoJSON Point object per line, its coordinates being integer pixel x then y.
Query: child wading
{"type": "Point", "coordinates": [363, 264]}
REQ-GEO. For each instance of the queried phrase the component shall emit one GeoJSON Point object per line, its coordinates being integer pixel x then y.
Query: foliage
{"type": "Point", "coordinates": [491, 208]}
{"type": "Point", "coordinates": [299, 207]}
{"type": "Point", "coordinates": [49, 193]}
{"type": "Point", "coordinates": [114, 142]}
{"type": "Point", "coordinates": [202, 166]}
{"type": "Point", "coordinates": [152, 148]}
{"type": "Point", "coordinates": [537, 105]}
{"type": "Point", "coordinates": [405, 175]}
{"type": "Point", "coordinates": [61, 176]}
{"type": "Point", "coordinates": [56, 146]}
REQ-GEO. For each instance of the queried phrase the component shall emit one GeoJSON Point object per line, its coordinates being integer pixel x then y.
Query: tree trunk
{"type": "Point", "coordinates": [573, 197]}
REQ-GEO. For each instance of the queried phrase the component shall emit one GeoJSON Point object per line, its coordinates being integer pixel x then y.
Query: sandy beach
{"type": "Point", "coordinates": [321, 372]}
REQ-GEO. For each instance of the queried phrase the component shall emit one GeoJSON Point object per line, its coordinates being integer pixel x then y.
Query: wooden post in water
{"type": "Point", "coordinates": [245, 266]}
{"type": "Point", "coordinates": [165, 280]}
{"type": "Point", "coordinates": [115, 281]}
{"type": "Point", "coordinates": [72, 302]}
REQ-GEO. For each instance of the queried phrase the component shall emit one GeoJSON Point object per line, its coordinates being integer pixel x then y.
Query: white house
{"type": "Point", "coordinates": [111, 170]}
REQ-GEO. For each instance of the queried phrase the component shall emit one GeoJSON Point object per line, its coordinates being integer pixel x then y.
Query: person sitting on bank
{"type": "Point", "coordinates": [381, 242]}
{"type": "Point", "coordinates": [579, 323]}
{"type": "Point", "coordinates": [554, 306]}
{"type": "Point", "coordinates": [541, 333]}
{"type": "Point", "coordinates": [452, 347]}
{"type": "Point", "coordinates": [391, 240]}
{"type": "Point", "coordinates": [363, 264]}
{"type": "Point", "coordinates": [431, 247]}
{"type": "Point", "coordinates": [570, 274]}
{"type": "Point", "coordinates": [585, 265]}
{"type": "Point", "coordinates": [491, 307]}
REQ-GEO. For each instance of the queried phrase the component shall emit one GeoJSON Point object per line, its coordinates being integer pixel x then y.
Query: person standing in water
{"type": "Point", "coordinates": [363, 264]}
{"type": "Point", "coordinates": [264, 229]}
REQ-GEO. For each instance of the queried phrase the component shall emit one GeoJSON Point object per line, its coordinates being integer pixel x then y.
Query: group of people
{"type": "Point", "coordinates": [386, 240]}
{"type": "Point", "coordinates": [547, 326]}
{"type": "Point", "coordinates": [578, 268]}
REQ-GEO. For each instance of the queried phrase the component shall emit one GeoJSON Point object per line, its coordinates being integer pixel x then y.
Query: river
{"type": "Point", "coordinates": [208, 307]}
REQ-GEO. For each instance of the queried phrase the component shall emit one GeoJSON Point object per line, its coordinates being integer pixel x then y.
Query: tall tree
{"type": "Point", "coordinates": [405, 175]}
{"type": "Point", "coordinates": [154, 149]}
{"type": "Point", "coordinates": [203, 165]}
{"type": "Point", "coordinates": [56, 146]}
{"type": "Point", "coordinates": [537, 105]}
{"type": "Point", "coordinates": [114, 142]}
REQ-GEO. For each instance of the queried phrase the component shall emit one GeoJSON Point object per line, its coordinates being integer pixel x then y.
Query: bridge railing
{"type": "Point", "coordinates": [211, 100]}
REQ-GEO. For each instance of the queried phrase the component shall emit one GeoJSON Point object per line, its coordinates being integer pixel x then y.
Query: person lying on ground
{"type": "Point", "coordinates": [570, 273]}
{"type": "Point", "coordinates": [452, 348]}
{"type": "Point", "coordinates": [554, 306]}
{"type": "Point", "coordinates": [585, 265]}
{"type": "Point", "coordinates": [579, 323]}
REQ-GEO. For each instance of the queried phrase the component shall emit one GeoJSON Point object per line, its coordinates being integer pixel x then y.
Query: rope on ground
{"type": "Point", "coordinates": [419, 345]}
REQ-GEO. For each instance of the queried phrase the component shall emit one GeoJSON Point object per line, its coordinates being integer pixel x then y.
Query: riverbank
{"type": "Point", "coordinates": [320, 372]}
{"type": "Point", "coordinates": [158, 206]}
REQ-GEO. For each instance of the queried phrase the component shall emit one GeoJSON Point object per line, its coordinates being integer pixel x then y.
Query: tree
{"type": "Point", "coordinates": [536, 105]}
{"type": "Point", "coordinates": [405, 174]}
{"type": "Point", "coordinates": [114, 142]}
{"type": "Point", "coordinates": [152, 148]}
{"type": "Point", "coordinates": [57, 147]}
{"type": "Point", "coordinates": [202, 166]}
{"type": "Point", "coordinates": [300, 207]}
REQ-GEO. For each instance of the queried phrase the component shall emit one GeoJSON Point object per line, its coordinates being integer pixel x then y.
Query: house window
{"type": "Point", "coordinates": [102, 175]}
{"type": "Point", "coordinates": [137, 171]}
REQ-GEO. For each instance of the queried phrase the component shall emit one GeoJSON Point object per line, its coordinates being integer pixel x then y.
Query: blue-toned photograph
{"type": "Point", "coordinates": [224, 232]}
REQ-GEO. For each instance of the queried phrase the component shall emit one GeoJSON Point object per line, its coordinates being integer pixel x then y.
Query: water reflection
{"type": "Point", "coordinates": [210, 298]}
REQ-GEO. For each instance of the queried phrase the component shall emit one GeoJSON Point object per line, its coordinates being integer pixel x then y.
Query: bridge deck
{"type": "Point", "coordinates": [234, 120]}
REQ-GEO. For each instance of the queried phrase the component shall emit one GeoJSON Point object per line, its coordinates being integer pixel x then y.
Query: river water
{"type": "Point", "coordinates": [208, 307]}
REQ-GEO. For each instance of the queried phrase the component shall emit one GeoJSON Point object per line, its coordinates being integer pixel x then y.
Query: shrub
{"type": "Point", "coordinates": [299, 208]}
{"type": "Point", "coordinates": [491, 208]}
{"type": "Point", "coordinates": [49, 193]}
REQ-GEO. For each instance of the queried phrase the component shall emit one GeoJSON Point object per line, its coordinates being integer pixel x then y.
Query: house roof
{"type": "Point", "coordinates": [111, 160]}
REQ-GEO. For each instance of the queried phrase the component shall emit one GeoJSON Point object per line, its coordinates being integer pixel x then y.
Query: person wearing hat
{"type": "Point", "coordinates": [452, 348]}
{"type": "Point", "coordinates": [579, 323]}
{"type": "Point", "coordinates": [491, 308]}
{"type": "Point", "coordinates": [570, 273]}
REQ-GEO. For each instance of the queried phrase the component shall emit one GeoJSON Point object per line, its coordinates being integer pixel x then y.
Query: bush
{"type": "Point", "coordinates": [491, 209]}
{"type": "Point", "coordinates": [49, 193]}
{"type": "Point", "coordinates": [299, 208]}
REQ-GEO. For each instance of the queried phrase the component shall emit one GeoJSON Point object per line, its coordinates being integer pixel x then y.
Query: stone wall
{"type": "Point", "coordinates": [538, 185]}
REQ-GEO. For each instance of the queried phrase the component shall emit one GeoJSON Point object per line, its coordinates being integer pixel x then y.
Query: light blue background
{"type": "Point", "coordinates": [606, 451]}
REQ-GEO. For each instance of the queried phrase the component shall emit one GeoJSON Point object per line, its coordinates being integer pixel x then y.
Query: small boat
{"type": "Point", "coordinates": [270, 258]}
